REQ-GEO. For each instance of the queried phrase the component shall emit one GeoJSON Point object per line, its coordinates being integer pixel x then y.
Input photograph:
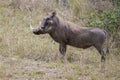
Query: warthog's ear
{"type": "Point", "coordinates": [53, 13]}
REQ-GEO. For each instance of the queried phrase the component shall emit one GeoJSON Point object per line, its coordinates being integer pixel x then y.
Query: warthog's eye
{"type": "Point", "coordinates": [47, 21]}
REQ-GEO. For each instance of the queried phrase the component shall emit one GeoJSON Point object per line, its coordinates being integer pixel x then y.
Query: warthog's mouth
{"type": "Point", "coordinates": [36, 31]}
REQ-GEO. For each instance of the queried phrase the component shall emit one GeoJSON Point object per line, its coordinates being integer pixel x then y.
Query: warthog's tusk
{"type": "Point", "coordinates": [31, 27]}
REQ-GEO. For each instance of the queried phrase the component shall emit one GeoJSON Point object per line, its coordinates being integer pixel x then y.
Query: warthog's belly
{"type": "Point", "coordinates": [80, 45]}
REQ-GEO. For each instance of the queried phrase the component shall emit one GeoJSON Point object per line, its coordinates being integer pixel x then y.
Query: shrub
{"type": "Point", "coordinates": [108, 20]}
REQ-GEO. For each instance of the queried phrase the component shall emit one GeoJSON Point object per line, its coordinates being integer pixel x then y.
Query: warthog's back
{"type": "Point", "coordinates": [85, 37]}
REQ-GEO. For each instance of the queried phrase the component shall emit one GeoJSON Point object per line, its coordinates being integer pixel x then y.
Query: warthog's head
{"type": "Point", "coordinates": [47, 25]}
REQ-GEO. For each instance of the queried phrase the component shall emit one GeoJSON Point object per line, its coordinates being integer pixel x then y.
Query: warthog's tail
{"type": "Point", "coordinates": [107, 42]}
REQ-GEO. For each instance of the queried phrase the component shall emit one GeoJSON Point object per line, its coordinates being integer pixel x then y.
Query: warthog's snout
{"type": "Point", "coordinates": [36, 31]}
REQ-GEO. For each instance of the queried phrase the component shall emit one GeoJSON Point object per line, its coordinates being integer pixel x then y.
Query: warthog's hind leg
{"type": "Point", "coordinates": [103, 55]}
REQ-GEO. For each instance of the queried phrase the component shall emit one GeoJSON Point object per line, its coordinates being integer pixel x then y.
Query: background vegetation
{"type": "Point", "coordinates": [25, 56]}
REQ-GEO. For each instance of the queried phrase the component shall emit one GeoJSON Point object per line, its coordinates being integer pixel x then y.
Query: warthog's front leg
{"type": "Point", "coordinates": [62, 49]}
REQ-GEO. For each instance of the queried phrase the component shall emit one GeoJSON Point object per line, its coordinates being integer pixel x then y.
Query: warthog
{"type": "Point", "coordinates": [67, 33]}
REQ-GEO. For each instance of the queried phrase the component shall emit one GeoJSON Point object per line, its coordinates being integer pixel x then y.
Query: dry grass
{"type": "Point", "coordinates": [24, 56]}
{"type": "Point", "coordinates": [89, 68]}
